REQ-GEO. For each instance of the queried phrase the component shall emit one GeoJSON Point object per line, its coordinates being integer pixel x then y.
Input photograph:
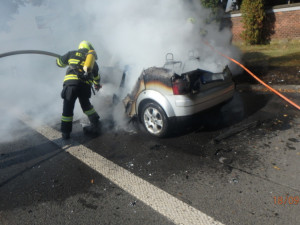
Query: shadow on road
{"type": "Point", "coordinates": [240, 107]}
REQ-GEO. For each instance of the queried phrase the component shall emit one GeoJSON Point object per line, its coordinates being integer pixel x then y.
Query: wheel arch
{"type": "Point", "coordinates": [156, 97]}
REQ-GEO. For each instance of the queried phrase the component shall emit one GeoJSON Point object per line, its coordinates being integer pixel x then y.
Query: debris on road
{"type": "Point", "coordinates": [132, 203]}
{"type": "Point", "coordinates": [235, 130]}
{"type": "Point", "coordinates": [290, 146]}
{"type": "Point", "coordinates": [130, 165]}
{"type": "Point", "coordinates": [276, 167]}
{"type": "Point", "coordinates": [224, 160]}
{"type": "Point", "coordinates": [234, 181]}
{"type": "Point", "coordinates": [294, 140]}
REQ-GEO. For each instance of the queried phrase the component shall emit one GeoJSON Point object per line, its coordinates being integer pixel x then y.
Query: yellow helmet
{"type": "Point", "coordinates": [86, 44]}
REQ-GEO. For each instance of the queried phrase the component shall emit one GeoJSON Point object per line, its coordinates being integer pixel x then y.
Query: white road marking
{"type": "Point", "coordinates": [167, 205]}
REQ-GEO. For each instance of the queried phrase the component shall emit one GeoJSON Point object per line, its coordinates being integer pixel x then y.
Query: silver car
{"type": "Point", "coordinates": [164, 93]}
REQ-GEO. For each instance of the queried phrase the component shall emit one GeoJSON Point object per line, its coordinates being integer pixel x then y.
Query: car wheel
{"type": "Point", "coordinates": [155, 119]}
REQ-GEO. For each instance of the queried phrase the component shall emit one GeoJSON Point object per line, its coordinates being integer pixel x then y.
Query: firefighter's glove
{"type": "Point", "coordinates": [97, 87]}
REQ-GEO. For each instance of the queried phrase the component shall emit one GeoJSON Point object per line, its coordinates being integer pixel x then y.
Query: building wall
{"type": "Point", "coordinates": [283, 23]}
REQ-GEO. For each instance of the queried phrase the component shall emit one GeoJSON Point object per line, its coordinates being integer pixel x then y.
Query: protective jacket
{"type": "Point", "coordinates": [75, 74]}
{"type": "Point", "coordinates": [77, 85]}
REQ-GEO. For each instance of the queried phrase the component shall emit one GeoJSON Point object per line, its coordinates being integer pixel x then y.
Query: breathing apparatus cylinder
{"type": "Point", "coordinates": [89, 61]}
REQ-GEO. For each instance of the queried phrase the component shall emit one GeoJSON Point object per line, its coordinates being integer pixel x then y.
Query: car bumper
{"type": "Point", "coordinates": [185, 105]}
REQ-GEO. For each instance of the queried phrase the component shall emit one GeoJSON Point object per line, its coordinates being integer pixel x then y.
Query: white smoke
{"type": "Point", "coordinates": [123, 32]}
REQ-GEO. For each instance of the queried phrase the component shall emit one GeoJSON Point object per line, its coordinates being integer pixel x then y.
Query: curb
{"type": "Point", "coordinates": [261, 88]}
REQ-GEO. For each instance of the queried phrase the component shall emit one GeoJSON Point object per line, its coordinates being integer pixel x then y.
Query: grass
{"type": "Point", "coordinates": [275, 63]}
{"type": "Point", "coordinates": [277, 54]}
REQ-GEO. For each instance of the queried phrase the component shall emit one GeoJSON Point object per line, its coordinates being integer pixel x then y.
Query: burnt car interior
{"type": "Point", "coordinates": [190, 82]}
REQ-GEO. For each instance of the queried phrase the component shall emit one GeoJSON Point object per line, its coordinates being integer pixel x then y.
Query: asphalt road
{"type": "Point", "coordinates": [238, 164]}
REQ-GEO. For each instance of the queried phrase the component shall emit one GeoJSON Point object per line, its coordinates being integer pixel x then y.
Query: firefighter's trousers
{"type": "Point", "coordinates": [70, 93]}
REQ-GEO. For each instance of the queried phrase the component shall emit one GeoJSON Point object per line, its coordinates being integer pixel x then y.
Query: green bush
{"type": "Point", "coordinates": [210, 3]}
{"type": "Point", "coordinates": [253, 16]}
{"type": "Point", "coordinates": [214, 6]}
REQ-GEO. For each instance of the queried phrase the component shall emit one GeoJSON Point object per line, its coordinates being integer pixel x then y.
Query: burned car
{"type": "Point", "coordinates": [164, 93]}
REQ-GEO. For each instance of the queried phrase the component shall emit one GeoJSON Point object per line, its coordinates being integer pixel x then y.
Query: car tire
{"type": "Point", "coordinates": [154, 119]}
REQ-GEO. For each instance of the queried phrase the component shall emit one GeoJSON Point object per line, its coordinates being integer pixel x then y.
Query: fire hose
{"type": "Point", "coordinates": [28, 52]}
{"type": "Point", "coordinates": [255, 77]}
{"type": "Point", "coordinates": [33, 52]}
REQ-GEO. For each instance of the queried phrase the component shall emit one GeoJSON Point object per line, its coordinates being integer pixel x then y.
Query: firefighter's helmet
{"type": "Point", "coordinates": [86, 44]}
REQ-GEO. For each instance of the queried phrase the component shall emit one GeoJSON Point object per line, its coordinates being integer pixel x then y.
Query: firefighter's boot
{"type": "Point", "coordinates": [94, 127]}
{"type": "Point", "coordinates": [66, 136]}
{"type": "Point", "coordinates": [66, 129]}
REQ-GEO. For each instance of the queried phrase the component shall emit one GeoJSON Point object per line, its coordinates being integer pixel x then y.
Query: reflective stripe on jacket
{"type": "Point", "coordinates": [74, 74]}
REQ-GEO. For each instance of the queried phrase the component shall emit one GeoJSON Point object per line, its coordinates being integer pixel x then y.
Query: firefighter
{"type": "Point", "coordinates": [78, 84]}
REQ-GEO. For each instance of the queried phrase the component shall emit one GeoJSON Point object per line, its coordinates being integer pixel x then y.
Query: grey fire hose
{"type": "Point", "coordinates": [28, 52]}
{"type": "Point", "coordinates": [33, 52]}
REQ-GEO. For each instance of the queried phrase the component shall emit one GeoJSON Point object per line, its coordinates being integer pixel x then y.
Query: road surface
{"type": "Point", "coordinates": [238, 164]}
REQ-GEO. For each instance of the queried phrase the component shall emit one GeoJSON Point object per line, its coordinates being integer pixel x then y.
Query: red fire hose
{"type": "Point", "coordinates": [255, 77]}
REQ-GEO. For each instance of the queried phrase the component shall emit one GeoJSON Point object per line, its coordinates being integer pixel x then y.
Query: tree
{"type": "Point", "coordinates": [216, 10]}
{"type": "Point", "coordinates": [210, 3]}
{"type": "Point", "coordinates": [253, 15]}
{"type": "Point", "coordinates": [214, 5]}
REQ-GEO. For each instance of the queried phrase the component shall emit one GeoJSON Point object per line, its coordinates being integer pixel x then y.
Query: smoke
{"type": "Point", "coordinates": [123, 32]}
